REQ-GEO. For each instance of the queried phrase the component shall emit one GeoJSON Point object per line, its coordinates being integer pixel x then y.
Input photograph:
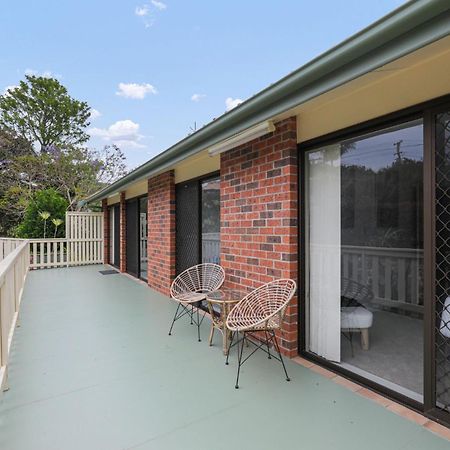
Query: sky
{"type": "Point", "coordinates": [154, 70]}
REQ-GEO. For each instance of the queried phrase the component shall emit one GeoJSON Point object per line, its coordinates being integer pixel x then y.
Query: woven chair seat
{"type": "Point", "coordinates": [190, 297]}
{"type": "Point", "coordinates": [263, 308]}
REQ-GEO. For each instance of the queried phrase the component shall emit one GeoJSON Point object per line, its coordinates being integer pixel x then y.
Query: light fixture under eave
{"type": "Point", "coordinates": [249, 134]}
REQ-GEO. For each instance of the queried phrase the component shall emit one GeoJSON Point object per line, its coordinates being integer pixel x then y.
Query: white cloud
{"type": "Point", "coordinates": [136, 91]}
{"type": "Point", "coordinates": [159, 5]}
{"type": "Point", "coordinates": [231, 103]}
{"type": "Point", "coordinates": [124, 133]}
{"type": "Point", "coordinates": [45, 73]}
{"type": "Point", "coordinates": [8, 89]}
{"type": "Point", "coordinates": [95, 113]}
{"type": "Point", "coordinates": [142, 11]}
{"type": "Point", "coordinates": [147, 12]}
{"type": "Point", "coordinates": [197, 97]}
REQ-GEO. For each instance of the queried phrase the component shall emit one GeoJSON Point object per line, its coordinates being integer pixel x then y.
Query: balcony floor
{"type": "Point", "coordinates": [92, 367]}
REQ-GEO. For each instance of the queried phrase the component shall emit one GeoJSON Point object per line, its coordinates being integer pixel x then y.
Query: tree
{"type": "Point", "coordinates": [34, 225]}
{"type": "Point", "coordinates": [41, 110]}
{"type": "Point", "coordinates": [78, 172]}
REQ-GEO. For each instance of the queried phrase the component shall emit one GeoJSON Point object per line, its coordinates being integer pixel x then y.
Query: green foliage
{"type": "Point", "coordinates": [44, 205]}
{"type": "Point", "coordinates": [41, 110]}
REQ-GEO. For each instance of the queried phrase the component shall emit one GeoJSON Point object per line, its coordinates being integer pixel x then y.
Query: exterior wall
{"type": "Point", "coordinates": [106, 229]}
{"type": "Point", "coordinates": [259, 207]}
{"type": "Point", "coordinates": [161, 231]}
{"type": "Point", "coordinates": [123, 234]}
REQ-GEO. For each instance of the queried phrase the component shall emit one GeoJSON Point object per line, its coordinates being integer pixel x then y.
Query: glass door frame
{"type": "Point", "coordinates": [427, 112]}
{"type": "Point", "coordinates": [137, 199]}
{"type": "Point", "coordinates": [199, 180]}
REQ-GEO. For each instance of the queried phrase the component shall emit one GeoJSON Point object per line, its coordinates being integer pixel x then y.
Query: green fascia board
{"type": "Point", "coordinates": [405, 30]}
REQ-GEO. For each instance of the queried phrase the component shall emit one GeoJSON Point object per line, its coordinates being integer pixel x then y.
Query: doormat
{"type": "Point", "coordinates": [108, 272]}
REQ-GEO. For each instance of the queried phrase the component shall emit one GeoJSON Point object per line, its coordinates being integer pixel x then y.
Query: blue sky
{"type": "Point", "coordinates": [153, 68]}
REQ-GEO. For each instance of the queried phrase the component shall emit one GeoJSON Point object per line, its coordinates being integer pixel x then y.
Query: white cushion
{"type": "Point", "coordinates": [356, 317]}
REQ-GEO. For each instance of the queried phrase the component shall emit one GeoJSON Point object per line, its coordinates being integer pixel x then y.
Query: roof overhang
{"type": "Point", "coordinates": [405, 30]}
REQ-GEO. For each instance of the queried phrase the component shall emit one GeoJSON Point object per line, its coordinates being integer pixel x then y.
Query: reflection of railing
{"type": "Point", "coordinates": [14, 255]}
{"type": "Point", "coordinates": [211, 247]}
{"type": "Point", "coordinates": [395, 275]}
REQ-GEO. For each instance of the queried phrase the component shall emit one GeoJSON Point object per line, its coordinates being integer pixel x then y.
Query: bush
{"type": "Point", "coordinates": [33, 224]}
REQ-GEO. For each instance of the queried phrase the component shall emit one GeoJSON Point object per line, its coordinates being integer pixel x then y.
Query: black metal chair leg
{"type": "Point", "coordinates": [229, 347]}
{"type": "Point", "coordinates": [269, 356]}
{"type": "Point", "coordinates": [279, 354]}
{"type": "Point", "coordinates": [192, 314]}
{"type": "Point", "coordinates": [240, 361]}
{"type": "Point", "coordinates": [174, 319]}
{"type": "Point", "coordinates": [198, 325]}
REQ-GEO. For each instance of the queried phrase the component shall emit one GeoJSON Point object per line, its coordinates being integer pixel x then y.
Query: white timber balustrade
{"type": "Point", "coordinates": [47, 253]}
{"type": "Point", "coordinates": [13, 271]}
{"type": "Point", "coordinates": [82, 245]}
{"type": "Point", "coordinates": [84, 234]}
{"type": "Point", "coordinates": [394, 274]}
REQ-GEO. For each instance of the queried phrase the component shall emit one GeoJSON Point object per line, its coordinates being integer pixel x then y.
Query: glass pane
{"type": "Point", "coordinates": [143, 237]}
{"type": "Point", "coordinates": [365, 259]}
{"type": "Point", "coordinates": [442, 335]}
{"type": "Point", "coordinates": [211, 221]}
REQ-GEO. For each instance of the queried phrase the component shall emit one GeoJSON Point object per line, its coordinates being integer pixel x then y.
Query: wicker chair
{"type": "Point", "coordinates": [262, 310]}
{"type": "Point", "coordinates": [189, 289]}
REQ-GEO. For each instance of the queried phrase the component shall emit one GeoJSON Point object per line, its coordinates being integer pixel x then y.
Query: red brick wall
{"type": "Point", "coordinates": [259, 207]}
{"type": "Point", "coordinates": [161, 231]}
{"type": "Point", "coordinates": [123, 234]}
{"type": "Point", "coordinates": [106, 228]}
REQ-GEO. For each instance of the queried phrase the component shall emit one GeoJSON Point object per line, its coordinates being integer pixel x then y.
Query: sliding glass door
{"type": "Point", "coordinates": [197, 222]}
{"type": "Point", "coordinates": [143, 232]}
{"type": "Point", "coordinates": [364, 256]}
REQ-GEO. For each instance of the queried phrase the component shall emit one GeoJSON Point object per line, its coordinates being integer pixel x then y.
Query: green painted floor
{"type": "Point", "coordinates": [92, 367]}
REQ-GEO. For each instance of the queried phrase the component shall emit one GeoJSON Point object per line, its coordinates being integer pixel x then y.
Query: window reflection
{"type": "Point", "coordinates": [210, 201]}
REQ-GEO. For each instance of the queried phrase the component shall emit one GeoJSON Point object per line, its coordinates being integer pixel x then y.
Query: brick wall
{"type": "Point", "coordinates": [161, 231]}
{"type": "Point", "coordinates": [106, 236]}
{"type": "Point", "coordinates": [123, 233]}
{"type": "Point", "coordinates": [259, 206]}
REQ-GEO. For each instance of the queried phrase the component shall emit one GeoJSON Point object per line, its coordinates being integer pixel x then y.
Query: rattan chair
{"type": "Point", "coordinates": [262, 310]}
{"type": "Point", "coordinates": [189, 289]}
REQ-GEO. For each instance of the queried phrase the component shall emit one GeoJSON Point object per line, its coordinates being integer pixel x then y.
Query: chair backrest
{"type": "Point", "coordinates": [205, 277]}
{"type": "Point", "coordinates": [353, 290]}
{"type": "Point", "coordinates": [262, 304]}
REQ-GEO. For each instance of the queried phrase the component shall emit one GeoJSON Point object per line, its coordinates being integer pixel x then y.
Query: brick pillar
{"type": "Point", "coordinates": [123, 235]}
{"type": "Point", "coordinates": [106, 228]}
{"type": "Point", "coordinates": [161, 231]}
{"type": "Point", "coordinates": [259, 207]}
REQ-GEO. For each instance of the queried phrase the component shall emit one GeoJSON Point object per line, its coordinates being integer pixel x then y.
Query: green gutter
{"type": "Point", "coordinates": [408, 28]}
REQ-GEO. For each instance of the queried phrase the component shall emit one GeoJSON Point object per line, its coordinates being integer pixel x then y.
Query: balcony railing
{"type": "Point", "coordinates": [14, 265]}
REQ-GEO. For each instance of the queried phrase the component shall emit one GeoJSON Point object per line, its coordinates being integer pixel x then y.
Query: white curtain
{"type": "Point", "coordinates": [324, 262]}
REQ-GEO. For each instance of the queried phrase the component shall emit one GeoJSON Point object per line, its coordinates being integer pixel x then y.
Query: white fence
{"type": "Point", "coordinates": [84, 235]}
{"type": "Point", "coordinates": [395, 275]}
{"type": "Point", "coordinates": [14, 264]}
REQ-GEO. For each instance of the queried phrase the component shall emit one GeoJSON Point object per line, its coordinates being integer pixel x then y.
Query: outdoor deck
{"type": "Point", "coordinates": [92, 367]}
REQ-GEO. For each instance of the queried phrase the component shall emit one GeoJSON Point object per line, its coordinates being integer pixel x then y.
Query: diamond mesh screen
{"type": "Point", "coordinates": [442, 323]}
{"type": "Point", "coordinates": [188, 226]}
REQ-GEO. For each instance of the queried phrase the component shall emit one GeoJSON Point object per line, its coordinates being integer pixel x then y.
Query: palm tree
{"type": "Point", "coordinates": [57, 223]}
{"type": "Point", "coordinates": [44, 215]}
